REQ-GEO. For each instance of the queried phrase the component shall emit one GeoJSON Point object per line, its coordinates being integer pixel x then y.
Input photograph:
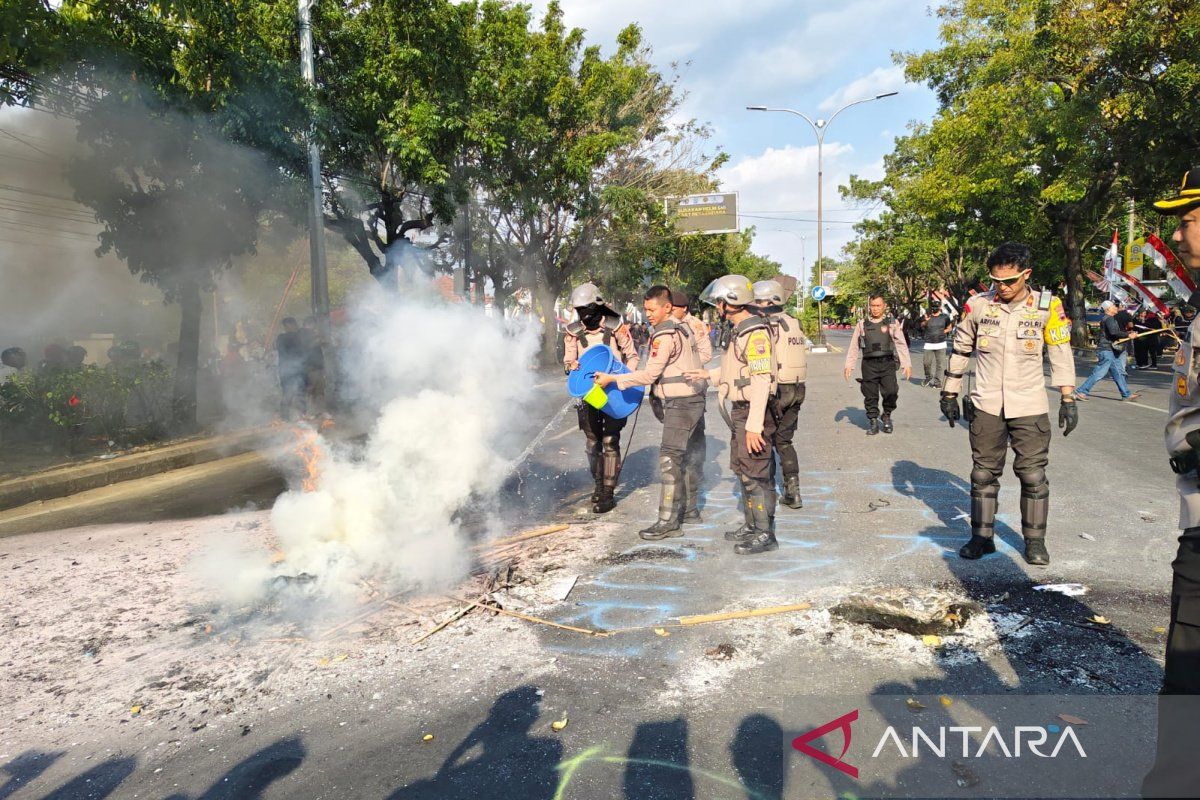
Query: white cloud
{"type": "Point", "coordinates": [781, 185]}
{"type": "Point", "coordinates": [877, 81]}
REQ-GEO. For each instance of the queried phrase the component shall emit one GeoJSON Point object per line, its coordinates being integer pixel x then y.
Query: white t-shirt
{"type": "Point", "coordinates": [935, 345]}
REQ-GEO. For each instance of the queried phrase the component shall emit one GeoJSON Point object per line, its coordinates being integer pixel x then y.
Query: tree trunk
{"type": "Point", "coordinates": [183, 400]}
{"type": "Point", "coordinates": [1073, 273]}
{"type": "Point", "coordinates": [548, 355]}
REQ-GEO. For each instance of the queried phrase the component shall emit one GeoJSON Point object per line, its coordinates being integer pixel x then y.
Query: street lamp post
{"type": "Point", "coordinates": [819, 127]}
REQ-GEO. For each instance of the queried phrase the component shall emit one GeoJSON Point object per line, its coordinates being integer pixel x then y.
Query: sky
{"type": "Point", "coordinates": [808, 55]}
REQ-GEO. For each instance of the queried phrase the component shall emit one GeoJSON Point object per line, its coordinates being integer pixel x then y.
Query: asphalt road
{"type": "Point", "coordinates": [670, 716]}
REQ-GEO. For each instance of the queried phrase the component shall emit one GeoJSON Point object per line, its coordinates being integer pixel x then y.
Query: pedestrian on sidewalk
{"type": "Point", "coordinates": [881, 343]}
{"type": "Point", "coordinates": [290, 354]}
{"type": "Point", "coordinates": [1110, 354]}
{"type": "Point", "coordinates": [598, 324]}
{"type": "Point", "coordinates": [747, 377]}
{"type": "Point", "coordinates": [934, 326]}
{"type": "Point", "coordinates": [1008, 330]}
{"type": "Point", "coordinates": [670, 369]}
{"type": "Point", "coordinates": [1176, 771]}
{"type": "Point", "coordinates": [791, 371]}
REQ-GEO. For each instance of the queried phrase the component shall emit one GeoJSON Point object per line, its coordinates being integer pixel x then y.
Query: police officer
{"type": "Point", "coordinates": [747, 377]}
{"type": "Point", "coordinates": [880, 341]}
{"type": "Point", "coordinates": [791, 370]}
{"type": "Point", "coordinates": [1176, 771]}
{"type": "Point", "coordinates": [697, 446]}
{"type": "Point", "coordinates": [598, 324]}
{"type": "Point", "coordinates": [1008, 329]}
{"type": "Point", "coordinates": [671, 369]}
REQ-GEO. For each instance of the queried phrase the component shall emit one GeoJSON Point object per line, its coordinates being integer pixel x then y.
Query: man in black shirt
{"type": "Point", "coordinates": [289, 347]}
{"type": "Point", "coordinates": [1111, 356]}
{"type": "Point", "coordinates": [933, 332]}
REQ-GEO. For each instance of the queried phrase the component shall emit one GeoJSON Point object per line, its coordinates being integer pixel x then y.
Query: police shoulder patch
{"type": "Point", "coordinates": [758, 352]}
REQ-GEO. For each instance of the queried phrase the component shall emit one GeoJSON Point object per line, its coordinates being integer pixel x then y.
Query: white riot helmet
{"type": "Point", "coordinates": [734, 290]}
{"type": "Point", "coordinates": [769, 293]}
{"type": "Point", "coordinates": [588, 294]}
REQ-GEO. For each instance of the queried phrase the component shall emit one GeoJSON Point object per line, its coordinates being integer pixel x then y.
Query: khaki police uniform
{"type": "Point", "coordinates": [1009, 395]}
{"type": "Point", "coordinates": [704, 346]}
{"type": "Point", "coordinates": [746, 377]}
{"type": "Point", "coordinates": [791, 372]}
{"type": "Point", "coordinates": [881, 343]}
{"type": "Point", "coordinates": [673, 353]}
{"type": "Point", "coordinates": [602, 432]}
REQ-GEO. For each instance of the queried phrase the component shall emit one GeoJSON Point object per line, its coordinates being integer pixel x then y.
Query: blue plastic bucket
{"type": "Point", "coordinates": [601, 358]}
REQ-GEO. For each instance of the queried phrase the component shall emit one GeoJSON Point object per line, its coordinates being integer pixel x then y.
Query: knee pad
{"type": "Point", "coordinates": [1034, 483]}
{"type": "Point", "coordinates": [984, 479]}
{"type": "Point", "coordinates": [611, 443]}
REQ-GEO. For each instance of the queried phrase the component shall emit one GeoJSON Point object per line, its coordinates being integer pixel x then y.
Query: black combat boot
{"type": "Point", "coordinates": [1036, 552]}
{"type": "Point", "coordinates": [663, 529]}
{"type": "Point", "coordinates": [761, 501]}
{"type": "Point", "coordinates": [597, 491]}
{"type": "Point", "coordinates": [746, 530]}
{"type": "Point", "coordinates": [791, 492]}
{"type": "Point", "coordinates": [978, 547]}
{"type": "Point", "coordinates": [1035, 511]}
{"type": "Point", "coordinates": [692, 517]}
{"type": "Point", "coordinates": [885, 423]}
{"type": "Point", "coordinates": [605, 501]}
{"type": "Point", "coordinates": [872, 426]}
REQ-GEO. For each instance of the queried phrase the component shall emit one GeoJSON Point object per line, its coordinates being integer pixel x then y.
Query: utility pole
{"type": "Point", "coordinates": [820, 127]}
{"type": "Point", "coordinates": [316, 217]}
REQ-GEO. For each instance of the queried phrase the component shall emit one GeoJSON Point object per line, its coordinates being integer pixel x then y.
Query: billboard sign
{"type": "Point", "coordinates": [829, 280]}
{"type": "Point", "coordinates": [704, 213]}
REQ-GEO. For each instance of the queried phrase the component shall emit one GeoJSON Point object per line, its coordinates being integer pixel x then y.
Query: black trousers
{"type": "Point", "coordinates": [1176, 770]}
{"type": "Point", "coordinates": [681, 455]}
{"type": "Point", "coordinates": [785, 411]}
{"type": "Point", "coordinates": [879, 378]}
{"type": "Point", "coordinates": [759, 466]}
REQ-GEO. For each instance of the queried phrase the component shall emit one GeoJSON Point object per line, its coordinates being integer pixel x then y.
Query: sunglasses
{"type": "Point", "coordinates": [1008, 281]}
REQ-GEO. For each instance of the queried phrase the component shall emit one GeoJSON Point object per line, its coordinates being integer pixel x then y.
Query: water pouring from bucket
{"type": "Point", "coordinates": [612, 401]}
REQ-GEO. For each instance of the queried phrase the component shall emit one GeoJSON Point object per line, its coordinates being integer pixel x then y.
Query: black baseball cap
{"type": "Point", "coordinates": [679, 299]}
{"type": "Point", "coordinates": [1188, 197]}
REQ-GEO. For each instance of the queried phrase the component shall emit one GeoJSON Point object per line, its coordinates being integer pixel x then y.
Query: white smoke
{"type": "Point", "coordinates": [447, 381]}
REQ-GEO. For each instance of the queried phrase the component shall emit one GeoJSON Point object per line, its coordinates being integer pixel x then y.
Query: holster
{"type": "Point", "coordinates": [722, 396]}
{"type": "Point", "coordinates": [968, 410]}
{"type": "Point", "coordinates": [656, 405]}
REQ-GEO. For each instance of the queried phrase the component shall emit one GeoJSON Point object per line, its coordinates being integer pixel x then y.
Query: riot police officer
{"type": "Point", "coordinates": [746, 376]}
{"type": "Point", "coordinates": [791, 371]}
{"type": "Point", "coordinates": [673, 356]}
{"type": "Point", "coordinates": [1176, 772]}
{"type": "Point", "coordinates": [880, 340]}
{"type": "Point", "coordinates": [1008, 329]}
{"type": "Point", "coordinates": [598, 324]}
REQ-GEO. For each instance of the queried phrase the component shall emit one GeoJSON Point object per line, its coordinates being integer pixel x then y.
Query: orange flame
{"type": "Point", "coordinates": [308, 449]}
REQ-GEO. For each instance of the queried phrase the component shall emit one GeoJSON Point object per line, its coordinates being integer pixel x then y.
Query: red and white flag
{"type": "Point", "coordinates": [1162, 256]}
{"type": "Point", "coordinates": [1115, 293]}
{"type": "Point", "coordinates": [1149, 298]}
{"type": "Point", "coordinates": [1112, 267]}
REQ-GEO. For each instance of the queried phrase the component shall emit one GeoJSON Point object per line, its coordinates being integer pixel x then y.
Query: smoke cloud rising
{"type": "Point", "coordinates": [447, 381]}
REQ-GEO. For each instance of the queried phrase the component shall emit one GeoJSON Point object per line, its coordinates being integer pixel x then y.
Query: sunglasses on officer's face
{"type": "Point", "coordinates": [1010, 280]}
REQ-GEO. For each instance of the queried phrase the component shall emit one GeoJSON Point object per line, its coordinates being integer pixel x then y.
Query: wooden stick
{"type": "Point", "coordinates": [521, 537]}
{"type": "Point", "coordinates": [1169, 329]}
{"type": "Point", "coordinates": [701, 619]}
{"type": "Point", "coordinates": [538, 620]}
{"type": "Point", "coordinates": [457, 615]}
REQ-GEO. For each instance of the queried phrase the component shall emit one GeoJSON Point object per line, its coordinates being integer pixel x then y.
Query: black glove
{"type": "Point", "coordinates": [1068, 416]}
{"type": "Point", "coordinates": [949, 405]}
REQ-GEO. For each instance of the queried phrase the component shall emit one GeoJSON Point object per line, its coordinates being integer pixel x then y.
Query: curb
{"type": "Point", "coordinates": [75, 478]}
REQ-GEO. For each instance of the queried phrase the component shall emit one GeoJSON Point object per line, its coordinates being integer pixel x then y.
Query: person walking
{"type": "Point", "coordinates": [1008, 331]}
{"type": "Point", "coordinates": [669, 370]}
{"type": "Point", "coordinates": [1176, 770]}
{"type": "Point", "coordinates": [934, 327]}
{"type": "Point", "coordinates": [880, 341]}
{"type": "Point", "coordinates": [1110, 354]}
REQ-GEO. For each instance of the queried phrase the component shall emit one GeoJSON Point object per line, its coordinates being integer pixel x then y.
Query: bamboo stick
{"type": "Point", "coordinates": [457, 615]}
{"type": "Point", "coordinates": [538, 620]}
{"type": "Point", "coordinates": [521, 537]}
{"type": "Point", "coordinates": [701, 619]}
{"type": "Point", "coordinates": [1169, 329]}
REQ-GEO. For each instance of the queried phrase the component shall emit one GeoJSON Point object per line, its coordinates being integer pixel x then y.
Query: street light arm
{"type": "Point", "coordinates": [799, 114]}
{"type": "Point", "coordinates": [857, 103]}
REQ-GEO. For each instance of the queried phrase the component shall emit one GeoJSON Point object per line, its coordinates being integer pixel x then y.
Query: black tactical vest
{"type": "Point", "coordinates": [935, 329]}
{"type": "Point", "coordinates": [875, 341]}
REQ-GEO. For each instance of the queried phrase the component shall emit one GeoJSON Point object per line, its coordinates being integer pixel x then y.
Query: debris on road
{"type": "Point", "coordinates": [661, 632]}
{"type": "Point", "coordinates": [915, 705]}
{"type": "Point", "coordinates": [427, 737]}
{"type": "Point", "coordinates": [1072, 720]}
{"type": "Point", "coordinates": [1087, 537]}
{"type": "Point", "coordinates": [558, 724]}
{"type": "Point", "coordinates": [918, 611]}
{"type": "Point", "coordinates": [1099, 620]}
{"type": "Point", "coordinates": [1067, 589]}
{"type": "Point", "coordinates": [722, 652]}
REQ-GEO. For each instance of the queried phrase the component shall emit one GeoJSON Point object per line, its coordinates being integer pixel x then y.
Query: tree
{"type": "Point", "coordinates": [186, 124]}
